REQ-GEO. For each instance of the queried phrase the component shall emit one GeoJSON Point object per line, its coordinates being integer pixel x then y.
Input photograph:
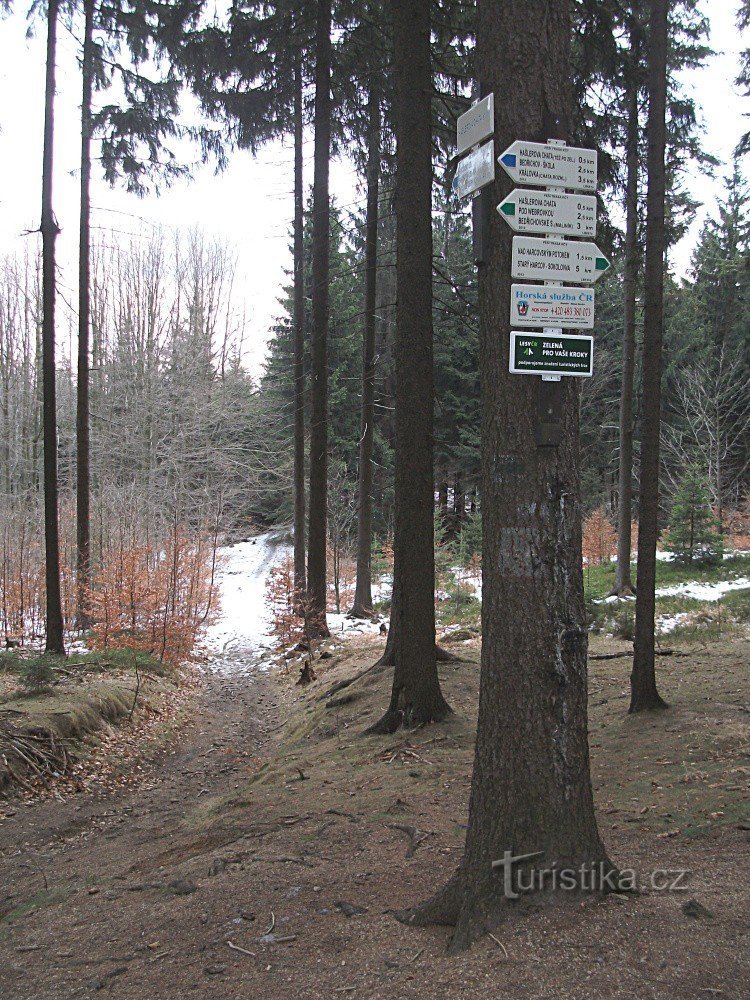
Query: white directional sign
{"type": "Point", "coordinates": [552, 306]}
{"type": "Point", "coordinates": [475, 170]}
{"type": "Point", "coordinates": [476, 124]}
{"type": "Point", "coordinates": [550, 212]}
{"type": "Point", "coordinates": [557, 260]}
{"type": "Point", "coordinates": [543, 165]}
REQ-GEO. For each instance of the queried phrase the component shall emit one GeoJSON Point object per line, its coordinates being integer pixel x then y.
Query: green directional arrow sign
{"type": "Point", "coordinates": [552, 212]}
{"type": "Point", "coordinates": [557, 260]}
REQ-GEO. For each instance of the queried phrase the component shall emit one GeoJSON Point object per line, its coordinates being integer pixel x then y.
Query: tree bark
{"type": "Point", "coordinates": [83, 465]}
{"type": "Point", "coordinates": [459, 504]}
{"type": "Point", "coordinates": [416, 696]}
{"type": "Point", "coordinates": [643, 692]}
{"type": "Point", "coordinates": [315, 623]}
{"type": "Point", "coordinates": [363, 593]}
{"type": "Point", "coordinates": [299, 344]}
{"type": "Point", "coordinates": [623, 585]}
{"type": "Point", "coordinates": [54, 634]}
{"type": "Point", "coordinates": [531, 786]}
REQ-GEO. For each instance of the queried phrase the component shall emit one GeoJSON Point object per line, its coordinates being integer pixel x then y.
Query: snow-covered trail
{"type": "Point", "coordinates": [243, 630]}
{"type": "Point", "coordinates": [242, 636]}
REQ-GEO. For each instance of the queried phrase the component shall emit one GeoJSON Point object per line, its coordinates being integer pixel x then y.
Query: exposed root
{"type": "Point", "coordinates": [360, 611]}
{"type": "Point", "coordinates": [444, 656]}
{"type": "Point", "coordinates": [410, 718]}
{"type": "Point", "coordinates": [652, 703]}
{"type": "Point", "coordinates": [442, 909]}
{"type": "Point", "coordinates": [388, 724]}
{"type": "Point", "coordinates": [341, 685]}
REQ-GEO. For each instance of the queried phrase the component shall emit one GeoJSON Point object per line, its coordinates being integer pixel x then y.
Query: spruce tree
{"type": "Point", "coordinates": [55, 642]}
{"type": "Point", "coordinates": [531, 788]}
{"type": "Point", "coordinates": [416, 697]}
{"type": "Point", "coordinates": [644, 694]}
{"type": "Point", "coordinates": [694, 535]}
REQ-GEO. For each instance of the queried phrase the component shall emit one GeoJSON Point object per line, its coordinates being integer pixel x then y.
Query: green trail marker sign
{"type": "Point", "coordinates": [549, 212]}
{"type": "Point", "coordinates": [547, 354]}
{"type": "Point", "coordinates": [557, 260]}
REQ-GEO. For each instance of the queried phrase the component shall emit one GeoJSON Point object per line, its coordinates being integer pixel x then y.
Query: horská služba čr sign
{"type": "Point", "coordinates": [547, 354]}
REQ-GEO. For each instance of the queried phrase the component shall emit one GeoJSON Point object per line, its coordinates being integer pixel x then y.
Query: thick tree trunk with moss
{"type": "Point", "coordinates": [316, 626]}
{"type": "Point", "coordinates": [531, 786]}
{"type": "Point", "coordinates": [54, 637]}
{"type": "Point", "coordinates": [363, 594]}
{"type": "Point", "coordinates": [643, 692]}
{"type": "Point", "coordinates": [415, 697]}
{"type": "Point", "coordinates": [299, 344]}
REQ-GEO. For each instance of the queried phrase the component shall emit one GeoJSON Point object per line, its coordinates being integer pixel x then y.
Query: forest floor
{"type": "Point", "coordinates": [266, 842]}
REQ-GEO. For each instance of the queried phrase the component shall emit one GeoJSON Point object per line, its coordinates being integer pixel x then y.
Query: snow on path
{"type": "Point", "coordinates": [244, 624]}
{"type": "Point", "coordinates": [243, 633]}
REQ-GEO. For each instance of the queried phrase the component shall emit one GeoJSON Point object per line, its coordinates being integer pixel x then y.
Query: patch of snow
{"type": "Point", "coordinates": [243, 629]}
{"type": "Point", "coordinates": [613, 599]}
{"type": "Point", "coordinates": [342, 624]}
{"type": "Point", "coordinates": [704, 591]}
{"type": "Point", "coordinates": [668, 623]}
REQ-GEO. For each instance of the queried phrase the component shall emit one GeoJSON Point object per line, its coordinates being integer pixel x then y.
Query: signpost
{"type": "Point", "coordinates": [475, 124]}
{"type": "Point", "coordinates": [541, 164]}
{"type": "Point", "coordinates": [552, 305]}
{"type": "Point", "coordinates": [475, 171]}
{"type": "Point", "coordinates": [557, 260]}
{"type": "Point", "coordinates": [559, 210]}
{"type": "Point", "coordinates": [549, 212]}
{"type": "Point", "coordinates": [546, 354]}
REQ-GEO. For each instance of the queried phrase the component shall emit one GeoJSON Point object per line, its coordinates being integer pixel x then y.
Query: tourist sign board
{"type": "Point", "coordinates": [552, 305]}
{"type": "Point", "coordinates": [557, 260]}
{"type": "Point", "coordinates": [475, 124]}
{"type": "Point", "coordinates": [547, 354]}
{"type": "Point", "coordinates": [549, 212]}
{"type": "Point", "coordinates": [550, 165]}
{"type": "Point", "coordinates": [475, 170]}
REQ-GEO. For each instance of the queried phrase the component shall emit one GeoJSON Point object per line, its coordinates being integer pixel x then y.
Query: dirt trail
{"type": "Point", "coordinates": [255, 861]}
{"type": "Point", "coordinates": [73, 874]}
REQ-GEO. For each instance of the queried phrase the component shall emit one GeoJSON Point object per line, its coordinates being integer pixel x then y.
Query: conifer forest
{"type": "Point", "coordinates": [374, 498]}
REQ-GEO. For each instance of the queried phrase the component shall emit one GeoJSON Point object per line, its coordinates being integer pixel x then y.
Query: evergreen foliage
{"type": "Point", "coordinates": [694, 536]}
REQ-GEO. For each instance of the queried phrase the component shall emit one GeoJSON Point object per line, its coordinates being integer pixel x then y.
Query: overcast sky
{"type": "Point", "coordinates": [249, 205]}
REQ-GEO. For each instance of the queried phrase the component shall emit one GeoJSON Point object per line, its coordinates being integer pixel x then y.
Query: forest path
{"type": "Point", "coordinates": [73, 874]}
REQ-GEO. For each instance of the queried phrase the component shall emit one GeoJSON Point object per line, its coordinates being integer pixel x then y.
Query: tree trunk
{"type": "Point", "coordinates": [531, 787]}
{"type": "Point", "coordinates": [299, 346]}
{"type": "Point", "coordinates": [443, 501]}
{"type": "Point", "coordinates": [315, 624]}
{"type": "Point", "coordinates": [623, 585]}
{"type": "Point", "coordinates": [459, 504]}
{"type": "Point", "coordinates": [83, 468]}
{"type": "Point", "coordinates": [363, 594]}
{"type": "Point", "coordinates": [54, 638]}
{"type": "Point", "coordinates": [643, 692]}
{"type": "Point", "coordinates": [416, 696]}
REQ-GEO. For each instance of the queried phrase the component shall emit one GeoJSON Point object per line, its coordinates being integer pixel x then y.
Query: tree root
{"type": "Point", "coordinates": [442, 909]}
{"type": "Point", "coordinates": [408, 718]}
{"type": "Point", "coordinates": [473, 914]}
{"type": "Point", "coordinates": [341, 685]}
